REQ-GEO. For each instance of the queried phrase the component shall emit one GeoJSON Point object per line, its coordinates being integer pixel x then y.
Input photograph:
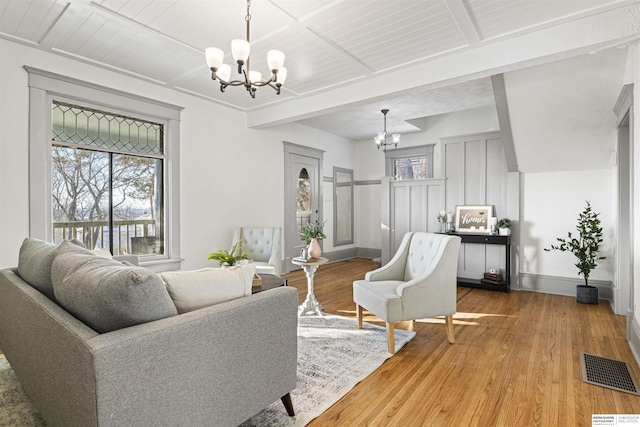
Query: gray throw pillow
{"type": "Point", "coordinates": [34, 264]}
{"type": "Point", "coordinates": [105, 294]}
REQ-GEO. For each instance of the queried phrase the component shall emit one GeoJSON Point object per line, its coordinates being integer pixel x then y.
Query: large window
{"type": "Point", "coordinates": [106, 180]}
{"type": "Point", "coordinates": [104, 168]}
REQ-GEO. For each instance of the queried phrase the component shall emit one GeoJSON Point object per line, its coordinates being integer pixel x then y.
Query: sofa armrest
{"type": "Point", "coordinates": [215, 366]}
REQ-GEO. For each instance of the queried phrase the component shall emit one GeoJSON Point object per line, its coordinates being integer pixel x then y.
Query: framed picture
{"type": "Point", "coordinates": [473, 219]}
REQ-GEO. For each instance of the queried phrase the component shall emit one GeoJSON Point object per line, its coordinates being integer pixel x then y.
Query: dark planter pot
{"type": "Point", "coordinates": [587, 294]}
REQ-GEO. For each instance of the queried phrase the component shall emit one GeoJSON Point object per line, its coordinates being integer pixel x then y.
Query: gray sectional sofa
{"type": "Point", "coordinates": [215, 366]}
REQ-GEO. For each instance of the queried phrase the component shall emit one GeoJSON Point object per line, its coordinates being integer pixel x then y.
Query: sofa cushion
{"type": "Point", "coordinates": [34, 264]}
{"type": "Point", "coordinates": [105, 294]}
{"type": "Point", "coordinates": [191, 290]}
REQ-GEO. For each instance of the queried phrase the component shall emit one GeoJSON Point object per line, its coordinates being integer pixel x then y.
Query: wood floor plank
{"type": "Point", "coordinates": [516, 361]}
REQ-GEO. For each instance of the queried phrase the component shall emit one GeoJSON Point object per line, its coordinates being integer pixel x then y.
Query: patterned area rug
{"type": "Point", "coordinates": [333, 356]}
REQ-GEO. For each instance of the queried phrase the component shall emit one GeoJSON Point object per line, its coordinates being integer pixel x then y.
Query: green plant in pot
{"type": "Point", "coordinates": [230, 257]}
{"type": "Point", "coordinates": [310, 234]}
{"type": "Point", "coordinates": [586, 248]}
{"type": "Point", "coordinates": [504, 226]}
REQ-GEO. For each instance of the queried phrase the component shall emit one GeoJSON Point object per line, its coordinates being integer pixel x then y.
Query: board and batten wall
{"type": "Point", "coordinates": [476, 174]}
{"type": "Point", "coordinates": [409, 205]}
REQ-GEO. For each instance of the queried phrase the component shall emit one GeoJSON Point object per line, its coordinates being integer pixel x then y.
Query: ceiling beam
{"type": "Point", "coordinates": [617, 26]}
{"type": "Point", "coordinates": [500, 95]}
{"type": "Point", "coordinates": [464, 21]}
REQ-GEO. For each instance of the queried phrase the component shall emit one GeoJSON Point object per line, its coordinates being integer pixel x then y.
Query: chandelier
{"type": "Point", "coordinates": [381, 139]}
{"type": "Point", "coordinates": [251, 80]}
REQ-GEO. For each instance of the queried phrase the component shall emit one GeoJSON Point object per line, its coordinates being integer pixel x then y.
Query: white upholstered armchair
{"type": "Point", "coordinates": [262, 244]}
{"type": "Point", "coordinates": [419, 282]}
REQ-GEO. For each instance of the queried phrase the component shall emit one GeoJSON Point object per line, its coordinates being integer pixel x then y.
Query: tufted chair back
{"type": "Point", "coordinates": [263, 246]}
{"type": "Point", "coordinates": [423, 253]}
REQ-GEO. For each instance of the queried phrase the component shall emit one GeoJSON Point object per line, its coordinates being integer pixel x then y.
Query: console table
{"type": "Point", "coordinates": [488, 239]}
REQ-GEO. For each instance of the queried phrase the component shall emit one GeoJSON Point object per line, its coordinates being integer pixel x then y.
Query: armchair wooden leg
{"type": "Point", "coordinates": [359, 316]}
{"type": "Point", "coordinates": [412, 325]}
{"type": "Point", "coordinates": [391, 341]}
{"type": "Point", "coordinates": [450, 335]}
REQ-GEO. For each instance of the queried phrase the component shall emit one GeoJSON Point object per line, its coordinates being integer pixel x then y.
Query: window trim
{"type": "Point", "coordinates": [407, 152]}
{"type": "Point", "coordinates": [336, 184]}
{"type": "Point", "coordinates": [44, 86]}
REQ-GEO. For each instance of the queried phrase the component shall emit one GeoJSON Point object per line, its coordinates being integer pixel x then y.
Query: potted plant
{"type": "Point", "coordinates": [504, 226]}
{"type": "Point", "coordinates": [229, 258]}
{"type": "Point", "coordinates": [585, 247]}
{"type": "Point", "coordinates": [310, 234]}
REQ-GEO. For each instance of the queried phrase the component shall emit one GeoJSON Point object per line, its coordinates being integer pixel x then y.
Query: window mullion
{"type": "Point", "coordinates": [111, 245]}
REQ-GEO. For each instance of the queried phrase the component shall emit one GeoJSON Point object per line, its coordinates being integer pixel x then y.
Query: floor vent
{"type": "Point", "coordinates": [610, 373]}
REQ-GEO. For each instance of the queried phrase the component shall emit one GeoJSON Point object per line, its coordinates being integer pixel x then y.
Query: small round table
{"type": "Point", "coordinates": [310, 304]}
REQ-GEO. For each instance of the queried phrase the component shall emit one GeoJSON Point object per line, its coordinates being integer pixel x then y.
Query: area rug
{"type": "Point", "coordinates": [333, 356]}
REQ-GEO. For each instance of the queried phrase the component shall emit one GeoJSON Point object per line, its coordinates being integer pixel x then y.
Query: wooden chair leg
{"type": "Point", "coordinates": [391, 341]}
{"type": "Point", "coordinates": [412, 325]}
{"type": "Point", "coordinates": [450, 334]}
{"type": "Point", "coordinates": [359, 316]}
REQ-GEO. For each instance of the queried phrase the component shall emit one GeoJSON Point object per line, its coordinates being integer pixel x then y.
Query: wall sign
{"type": "Point", "coordinates": [473, 219]}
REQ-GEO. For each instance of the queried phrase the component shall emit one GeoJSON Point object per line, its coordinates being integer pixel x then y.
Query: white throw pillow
{"type": "Point", "coordinates": [191, 290]}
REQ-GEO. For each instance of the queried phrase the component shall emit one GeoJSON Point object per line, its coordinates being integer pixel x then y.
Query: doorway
{"type": "Point", "coordinates": [623, 289]}
{"type": "Point", "coordinates": [302, 196]}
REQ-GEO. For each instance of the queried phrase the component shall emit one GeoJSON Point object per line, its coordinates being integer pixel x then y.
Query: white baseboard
{"type": "Point", "coordinates": [562, 285]}
{"type": "Point", "coordinates": [633, 336]}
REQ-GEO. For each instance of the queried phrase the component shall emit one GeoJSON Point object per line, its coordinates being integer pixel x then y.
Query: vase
{"type": "Point", "coordinates": [314, 249]}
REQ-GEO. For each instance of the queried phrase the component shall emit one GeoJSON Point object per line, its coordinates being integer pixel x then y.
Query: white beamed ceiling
{"type": "Point", "coordinates": [397, 50]}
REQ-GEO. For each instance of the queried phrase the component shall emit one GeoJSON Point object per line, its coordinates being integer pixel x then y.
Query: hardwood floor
{"type": "Point", "coordinates": [515, 361]}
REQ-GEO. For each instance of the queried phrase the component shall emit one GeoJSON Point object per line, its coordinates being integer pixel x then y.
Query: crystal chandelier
{"type": "Point", "coordinates": [381, 139]}
{"type": "Point", "coordinates": [251, 80]}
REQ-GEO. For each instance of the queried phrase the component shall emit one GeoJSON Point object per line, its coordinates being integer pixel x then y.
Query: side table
{"type": "Point", "coordinates": [269, 281]}
{"type": "Point", "coordinates": [310, 304]}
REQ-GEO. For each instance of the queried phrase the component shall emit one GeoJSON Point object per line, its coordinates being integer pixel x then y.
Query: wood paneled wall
{"type": "Point", "coordinates": [476, 173]}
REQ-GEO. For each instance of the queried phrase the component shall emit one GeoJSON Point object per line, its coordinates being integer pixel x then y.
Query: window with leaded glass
{"type": "Point", "coordinates": [107, 180]}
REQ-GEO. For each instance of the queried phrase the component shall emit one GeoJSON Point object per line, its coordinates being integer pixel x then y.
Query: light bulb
{"type": "Point", "coordinates": [224, 72]}
{"type": "Point", "coordinates": [275, 60]}
{"type": "Point", "coordinates": [255, 76]}
{"type": "Point", "coordinates": [282, 76]}
{"type": "Point", "coordinates": [240, 50]}
{"type": "Point", "coordinates": [214, 57]}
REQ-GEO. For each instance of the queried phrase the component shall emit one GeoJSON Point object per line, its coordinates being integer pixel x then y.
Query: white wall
{"type": "Point", "coordinates": [230, 175]}
{"type": "Point", "coordinates": [370, 164]}
{"type": "Point", "coordinates": [561, 113]}
{"type": "Point", "coordinates": [550, 205]}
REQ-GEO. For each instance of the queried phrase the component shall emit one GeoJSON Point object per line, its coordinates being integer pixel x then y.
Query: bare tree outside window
{"type": "Point", "coordinates": [106, 198]}
{"type": "Point", "coordinates": [303, 199]}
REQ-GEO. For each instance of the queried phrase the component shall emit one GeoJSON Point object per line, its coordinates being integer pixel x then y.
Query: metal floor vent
{"type": "Point", "coordinates": [610, 373]}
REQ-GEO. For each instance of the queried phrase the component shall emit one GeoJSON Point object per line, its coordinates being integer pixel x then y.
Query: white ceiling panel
{"type": "Point", "coordinates": [28, 20]}
{"type": "Point", "coordinates": [328, 44]}
{"type": "Point", "coordinates": [498, 17]}
{"type": "Point", "coordinates": [384, 34]}
{"type": "Point", "coordinates": [364, 121]}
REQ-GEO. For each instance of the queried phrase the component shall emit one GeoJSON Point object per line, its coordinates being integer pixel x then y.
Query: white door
{"type": "Point", "coordinates": [302, 200]}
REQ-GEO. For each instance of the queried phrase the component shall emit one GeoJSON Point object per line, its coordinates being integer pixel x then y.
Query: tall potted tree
{"type": "Point", "coordinates": [585, 247]}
